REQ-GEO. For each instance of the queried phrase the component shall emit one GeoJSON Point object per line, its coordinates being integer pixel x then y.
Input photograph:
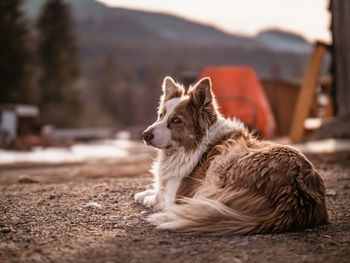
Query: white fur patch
{"type": "Point", "coordinates": [170, 170]}
{"type": "Point", "coordinates": [161, 133]}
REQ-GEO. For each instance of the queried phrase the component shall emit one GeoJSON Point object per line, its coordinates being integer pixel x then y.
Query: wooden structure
{"type": "Point", "coordinates": [307, 91]}
{"type": "Point", "coordinates": [282, 97]}
{"type": "Point", "coordinates": [341, 71]}
{"type": "Point", "coordinates": [17, 120]}
{"type": "Point", "coordinates": [341, 53]}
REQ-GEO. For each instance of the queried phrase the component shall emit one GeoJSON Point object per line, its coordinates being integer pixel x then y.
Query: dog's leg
{"type": "Point", "coordinates": [147, 198]}
{"type": "Point", "coordinates": [171, 189]}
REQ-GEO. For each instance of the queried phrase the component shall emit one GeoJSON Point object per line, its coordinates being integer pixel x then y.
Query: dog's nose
{"type": "Point", "coordinates": [147, 136]}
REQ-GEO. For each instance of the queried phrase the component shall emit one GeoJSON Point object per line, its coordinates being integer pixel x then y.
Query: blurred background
{"type": "Point", "coordinates": [81, 70]}
{"type": "Point", "coordinates": [81, 79]}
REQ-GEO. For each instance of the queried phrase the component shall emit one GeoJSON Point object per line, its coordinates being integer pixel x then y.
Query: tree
{"type": "Point", "coordinates": [115, 91]}
{"type": "Point", "coordinates": [126, 100]}
{"type": "Point", "coordinates": [57, 51]}
{"type": "Point", "coordinates": [106, 84]}
{"type": "Point", "coordinates": [16, 58]}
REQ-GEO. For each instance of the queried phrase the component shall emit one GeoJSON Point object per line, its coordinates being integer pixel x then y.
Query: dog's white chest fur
{"type": "Point", "coordinates": [169, 170]}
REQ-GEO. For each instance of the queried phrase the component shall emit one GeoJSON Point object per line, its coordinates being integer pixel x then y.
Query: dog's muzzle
{"type": "Point", "coordinates": [147, 136]}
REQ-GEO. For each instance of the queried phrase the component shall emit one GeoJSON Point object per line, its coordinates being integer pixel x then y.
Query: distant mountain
{"type": "Point", "coordinates": [130, 23]}
{"type": "Point", "coordinates": [128, 52]}
{"type": "Point", "coordinates": [32, 7]}
{"type": "Point", "coordinates": [141, 39]}
{"type": "Point", "coordinates": [278, 40]}
{"type": "Point", "coordinates": [124, 23]}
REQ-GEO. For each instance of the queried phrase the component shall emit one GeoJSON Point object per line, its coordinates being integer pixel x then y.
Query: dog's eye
{"type": "Point", "coordinates": [176, 120]}
{"type": "Point", "coordinates": [161, 115]}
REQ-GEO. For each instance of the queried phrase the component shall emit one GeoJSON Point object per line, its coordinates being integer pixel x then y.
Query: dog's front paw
{"type": "Point", "coordinates": [150, 201]}
{"type": "Point", "coordinates": [147, 198]}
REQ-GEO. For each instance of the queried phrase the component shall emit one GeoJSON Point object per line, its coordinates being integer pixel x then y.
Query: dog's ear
{"type": "Point", "coordinates": [202, 100]}
{"type": "Point", "coordinates": [171, 89]}
{"type": "Point", "coordinates": [201, 94]}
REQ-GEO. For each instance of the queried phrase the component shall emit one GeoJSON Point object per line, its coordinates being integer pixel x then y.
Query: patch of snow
{"type": "Point", "coordinates": [323, 146]}
{"type": "Point", "coordinates": [312, 123]}
{"type": "Point", "coordinates": [76, 153]}
{"type": "Point", "coordinates": [123, 135]}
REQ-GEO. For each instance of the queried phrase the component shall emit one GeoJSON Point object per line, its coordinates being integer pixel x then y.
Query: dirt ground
{"type": "Point", "coordinates": [86, 213]}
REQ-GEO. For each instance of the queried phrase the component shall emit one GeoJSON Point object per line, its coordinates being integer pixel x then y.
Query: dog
{"type": "Point", "coordinates": [213, 177]}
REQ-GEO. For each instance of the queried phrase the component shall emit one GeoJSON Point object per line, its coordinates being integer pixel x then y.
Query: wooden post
{"type": "Point", "coordinates": [306, 94]}
{"type": "Point", "coordinates": [341, 55]}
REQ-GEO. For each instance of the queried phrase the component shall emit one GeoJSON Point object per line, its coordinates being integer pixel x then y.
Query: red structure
{"type": "Point", "coordinates": [239, 94]}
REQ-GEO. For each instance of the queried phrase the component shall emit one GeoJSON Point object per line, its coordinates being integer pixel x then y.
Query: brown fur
{"type": "Point", "coordinates": [202, 105]}
{"type": "Point", "coordinates": [241, 185]}
{"type": "Point", "coordinates": [171, 90]}
{"type": "Point", "coordinates": [197, 112]}
{"type": "Point", "coordinates": [274, 184]}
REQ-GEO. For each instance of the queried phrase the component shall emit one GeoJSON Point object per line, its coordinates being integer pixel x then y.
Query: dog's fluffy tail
{"type": "Point", "coordinates": [216, 209]}
{"type": "Point", "coordinates": [215, 216]}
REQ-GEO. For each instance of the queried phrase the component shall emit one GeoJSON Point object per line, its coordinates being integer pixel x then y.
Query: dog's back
{"type": "Point", "coordinates": [246, 186]}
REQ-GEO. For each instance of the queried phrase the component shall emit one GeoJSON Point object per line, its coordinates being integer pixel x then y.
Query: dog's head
{"type": "Point", "coordinates": [183, 118]}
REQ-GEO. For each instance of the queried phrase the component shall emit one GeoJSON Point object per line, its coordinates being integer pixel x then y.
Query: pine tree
{"type": "Point", "coordinates": [58, 58]}
{"type": "Point", "coordinates": [16, 82]}
{"type": "Point", "coordinates": [114, 90]}
{"type": "Point", "coordinates": [107, 85]}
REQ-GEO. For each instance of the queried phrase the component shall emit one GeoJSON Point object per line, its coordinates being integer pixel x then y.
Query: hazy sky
{"type": "Point", "coordinates": [307, 17]}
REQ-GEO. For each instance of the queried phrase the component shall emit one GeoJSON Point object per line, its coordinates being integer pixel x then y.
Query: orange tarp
{"type": "Point", "coordinates": [239, 94]}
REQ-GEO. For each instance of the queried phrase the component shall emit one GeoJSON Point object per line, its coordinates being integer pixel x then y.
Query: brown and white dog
{"type": "Point", "coordinates": [213, 177]}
